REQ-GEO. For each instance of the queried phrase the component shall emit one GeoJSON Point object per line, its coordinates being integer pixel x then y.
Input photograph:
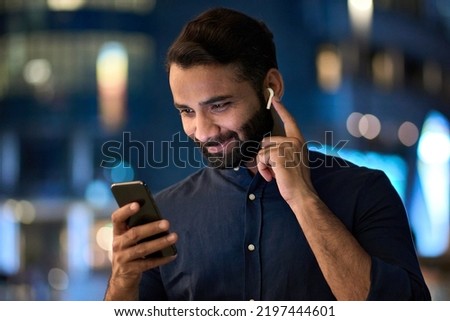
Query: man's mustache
{"type": "Point", "coordinates": [218, 140]}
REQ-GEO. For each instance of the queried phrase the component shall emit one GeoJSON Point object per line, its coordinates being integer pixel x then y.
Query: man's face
{"type": "Point", "coordinates": [224, 116]}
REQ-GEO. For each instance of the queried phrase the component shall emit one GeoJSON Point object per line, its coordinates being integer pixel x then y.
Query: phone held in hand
{"type": "Point", "coordinates": [137, 191]}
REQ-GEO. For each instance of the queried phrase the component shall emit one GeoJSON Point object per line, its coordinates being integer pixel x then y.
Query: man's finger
{"type": "Point", "coordinates": [120, 216]}
{"type": "Point", "coordinates": [290, 125]}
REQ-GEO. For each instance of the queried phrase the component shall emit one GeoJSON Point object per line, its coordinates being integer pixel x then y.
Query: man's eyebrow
{"type": "Point", "coordinates": [178, 106]}
{"type": "Point", "coordinates": [215, 99]}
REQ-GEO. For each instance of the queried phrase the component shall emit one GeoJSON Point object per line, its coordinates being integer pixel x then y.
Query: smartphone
{"type": "Point", "coordinates": [138, 191]}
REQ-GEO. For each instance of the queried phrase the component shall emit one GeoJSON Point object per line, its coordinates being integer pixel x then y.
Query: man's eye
{"type": "Point", "coordinates": [186, 111]}
{"type": "Point", "coordinates": [219, 107]}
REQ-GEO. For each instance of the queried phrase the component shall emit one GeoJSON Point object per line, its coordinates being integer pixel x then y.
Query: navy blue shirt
{"type": "Point", "coordinates": [239, 240]}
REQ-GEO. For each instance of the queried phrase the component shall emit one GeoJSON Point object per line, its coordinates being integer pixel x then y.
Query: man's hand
{"type": "Point", "coordinates": [286, 158]}
{"type": "Point", "coordinates": [128, 258]}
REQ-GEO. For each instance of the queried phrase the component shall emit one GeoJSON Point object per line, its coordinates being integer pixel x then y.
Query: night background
{"type": "Point", "coordinates": [85, 102]}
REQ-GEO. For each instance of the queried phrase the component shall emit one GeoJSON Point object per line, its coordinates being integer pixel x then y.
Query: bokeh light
{"type": "Point", "coordinates": [369, 126]}
{"type": "Point", "coordinates": [353, 124]}
{"type": "Point", "coordinates": [408, 133]}
{"type": "Point", "coordinates": [58, 279]}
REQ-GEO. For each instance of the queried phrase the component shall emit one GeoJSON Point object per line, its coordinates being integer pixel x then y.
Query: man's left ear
{"type": "Point", "coordinates": [274, 80]}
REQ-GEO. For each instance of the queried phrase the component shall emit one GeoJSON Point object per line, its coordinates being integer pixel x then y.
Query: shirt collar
{"type": "Point", "coordinates": [239, 175]}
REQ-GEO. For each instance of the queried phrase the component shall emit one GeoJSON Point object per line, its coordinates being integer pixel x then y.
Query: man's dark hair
{"type": "Point", "coordinates": [223, 36]}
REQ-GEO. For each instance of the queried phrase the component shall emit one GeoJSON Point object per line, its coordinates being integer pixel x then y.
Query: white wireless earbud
{"type": "Point", "coordinates": [269, 101]}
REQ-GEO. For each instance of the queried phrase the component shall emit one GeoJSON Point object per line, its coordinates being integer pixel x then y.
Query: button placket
{"type": "Point", "coordinates": [252, 238]}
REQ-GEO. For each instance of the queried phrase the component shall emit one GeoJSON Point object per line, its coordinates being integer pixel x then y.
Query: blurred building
{"type": "Point", "coordinates": [84, 102]}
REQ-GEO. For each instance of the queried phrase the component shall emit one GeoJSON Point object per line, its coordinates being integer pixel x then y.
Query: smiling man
{"type": "Point", "coordinates": [228, 126]}
{"type": "Point", "coordinates": [267, 219]}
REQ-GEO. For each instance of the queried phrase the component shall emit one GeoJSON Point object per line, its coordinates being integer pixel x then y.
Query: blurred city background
{"type": "Point", "coordinates": [84, 102]}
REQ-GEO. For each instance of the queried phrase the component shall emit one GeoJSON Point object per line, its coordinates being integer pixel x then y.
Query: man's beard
{"type": "Point", "coordinates": [243, 151]}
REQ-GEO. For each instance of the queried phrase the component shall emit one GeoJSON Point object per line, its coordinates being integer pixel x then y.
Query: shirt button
{"type": "Point", "coordinates": [252, 197]}
{"type": "Point", "coordinates": [236, 169]}
{"type": "Point", "coordinates": [251, 247]}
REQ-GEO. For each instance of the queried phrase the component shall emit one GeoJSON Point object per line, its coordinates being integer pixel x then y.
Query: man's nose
{"type": "Point", "coordinates": [205, 128]}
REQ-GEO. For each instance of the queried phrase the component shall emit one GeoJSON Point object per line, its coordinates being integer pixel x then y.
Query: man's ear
{"type": "Point", "coordinates": [274, 80]}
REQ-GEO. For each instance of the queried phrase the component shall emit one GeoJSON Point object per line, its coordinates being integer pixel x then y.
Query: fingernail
{"type": "Point", "coordinates": [163, 225]}
{"type": "Point", "coordinates": [134, 206]}
{"type": "Point", "coordinates": [171, 237]}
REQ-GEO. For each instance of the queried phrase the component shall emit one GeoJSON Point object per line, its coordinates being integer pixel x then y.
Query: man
{"type": "Point", "coordinates": [267, 220]}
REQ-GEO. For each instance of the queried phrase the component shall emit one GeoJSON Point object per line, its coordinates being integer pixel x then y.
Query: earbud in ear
{"type": "Point", "coordinates": [269, 101]}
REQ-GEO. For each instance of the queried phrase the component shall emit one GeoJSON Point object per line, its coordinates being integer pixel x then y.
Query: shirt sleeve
{"type": "Point", "coordinates": [392, 283]}
{"type": "Point", "coordinates": [383, 229]}
{"type": "Point", "coordinates": [151, 287]}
